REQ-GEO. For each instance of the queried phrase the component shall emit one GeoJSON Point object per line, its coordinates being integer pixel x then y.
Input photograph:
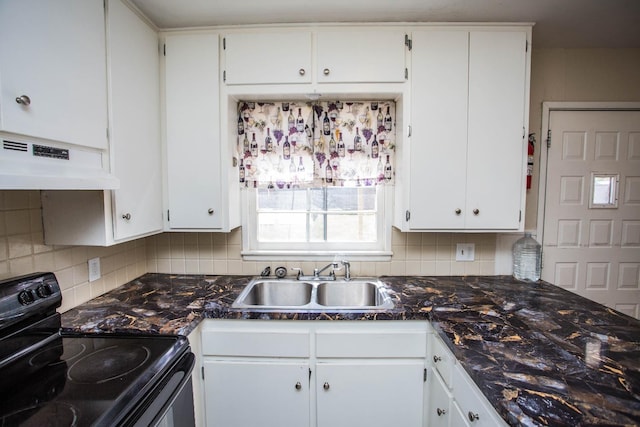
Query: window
{"type": "Point", "coordinates": [311, 223]}
{"type": "Point", "coordinates": [604, 191]}
{"type": "Point", "coordinates": [314, 177]}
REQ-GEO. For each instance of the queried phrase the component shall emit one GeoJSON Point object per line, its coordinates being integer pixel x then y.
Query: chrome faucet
{"type": "Point", "coordinates": [332, 275]}
{"type": "Point", "coordinates": [347, 269]}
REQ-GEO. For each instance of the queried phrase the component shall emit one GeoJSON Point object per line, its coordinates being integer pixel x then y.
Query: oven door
{"type": "Point", "coordinates": [170, 403]}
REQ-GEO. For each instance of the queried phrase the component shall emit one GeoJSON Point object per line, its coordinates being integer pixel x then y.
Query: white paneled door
{"type": "Point", "coordinates": [591, 240]}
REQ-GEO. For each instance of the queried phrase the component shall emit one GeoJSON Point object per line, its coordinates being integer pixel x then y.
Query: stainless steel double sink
{"type": "Point", "coordinates": [361, 294]}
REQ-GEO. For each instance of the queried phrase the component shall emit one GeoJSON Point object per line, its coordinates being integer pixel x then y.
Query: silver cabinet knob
{"type": "Point", "coordinates": [23, 100]}
{"type": "Point", "coordinates": [326, 71]}
{"type": "Point", "coordinates": [476, 211]}
{"type": "Point", "coordinates": [126, 216]}
{"type": "Point", "coordinates": [210, 211]}
{"type": "Point", "coordinates": [326, 386]}
{"type": "Point", "coordinates": [436, 359]}
{"type": "Point", "coordinates": [473, 417]}
{"type": "Point", "coordinates": [441, 412]}
{"type": "Point", "coordinates": [458, 211]}
{"type": "Point", "coordinates": [298, 385]}
{"type": "Point", "coordinates": [302, 72]}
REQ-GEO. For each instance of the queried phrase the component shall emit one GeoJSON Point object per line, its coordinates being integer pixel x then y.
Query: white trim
{"type": "Point", "coordinates": [547, 108]}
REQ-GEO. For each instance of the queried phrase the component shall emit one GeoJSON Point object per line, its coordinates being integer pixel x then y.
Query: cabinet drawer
{"type": "Point", "coordinates": [443, 360]}
{"type": "Point", "coordinates": [370, 344]}
{"type": "Point", "coordinates": [255, 343]}
{"type": "Point", "coordinates": [473, 405]}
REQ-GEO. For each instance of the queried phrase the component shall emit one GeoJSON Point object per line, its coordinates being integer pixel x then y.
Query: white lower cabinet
{"type": "Point", "coordinates": [271, 393]}
{"type": "Point", "coordinates": [316, 374]}
{"type": "Point", "coordinates": [454, 400]}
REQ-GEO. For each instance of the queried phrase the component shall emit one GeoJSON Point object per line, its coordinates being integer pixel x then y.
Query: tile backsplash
{"type": "Point", "coordinates": [22, 251]}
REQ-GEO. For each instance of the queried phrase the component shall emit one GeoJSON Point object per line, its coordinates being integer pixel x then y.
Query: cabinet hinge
{"type": "Point", "coordinates": [424, 377]}
{"type": "Point", "coordinates": [524, 132]}
{"type": "Point", "coordinates": [224, 43]}
{"type": "Point", "coordinates": [202, 370]}
{"type": "Point", "coordinates": [407, 216]}
{"type": "Point", "coordinates": [224, 76]}
{"type": "Point", "coordinates": [406, 74]}
{"type": "Point", "coordinates": [520, 216]}
{"type": "Point", "coordinates": [407, 41]}
{"type": "Point", "coordinates": [526, 46]}
{"type": "Point", "coordinates": [164, 49]}
{"type": "Point", "coordinates": [168, 216]}
{"type": "Point", "coordinates": [309, 374]}
{"type": "Point", "coordinates": [549, 138]}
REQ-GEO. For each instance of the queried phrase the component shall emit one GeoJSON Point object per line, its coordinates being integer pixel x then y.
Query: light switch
{"type": "Point", "coordinates": [465, 251]}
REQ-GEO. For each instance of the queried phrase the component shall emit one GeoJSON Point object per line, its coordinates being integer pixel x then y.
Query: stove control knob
{"type": "Point", "coordinates": [26, 297]}
{"type": "Point", "coordinates": [44, 291]}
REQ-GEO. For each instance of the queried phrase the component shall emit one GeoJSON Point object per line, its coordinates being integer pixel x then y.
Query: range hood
{"type": "Point", "coordinates": [35, 166]}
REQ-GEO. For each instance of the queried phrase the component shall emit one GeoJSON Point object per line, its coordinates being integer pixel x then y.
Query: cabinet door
{"type": "Point", "coordinates": [247, 393]}
{"type": "Point", "coordinates": [472, 404]}
{"type": "Point", "coordinates": [193, 131]}
{"type": "Point", "coordinates": [269, 57]}
{"type": "Point", "coordinates": [134, 89]}
{"type": "Point", "coordinates": [438, 171]}
{"type": "Point", "coordinates": [54, 53]}
{"type": "Point", "coordinates": [371, 393]}
{"type": "Point", "coordinates": [496, 153]}
{"type": "Point", "coordinates": [360, 56]}
{"type": "Point", "coordinates": [439, 398]}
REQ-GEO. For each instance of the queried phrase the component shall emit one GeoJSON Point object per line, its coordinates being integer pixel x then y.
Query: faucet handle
{"type": "Point", "coordinates": [299, 270]}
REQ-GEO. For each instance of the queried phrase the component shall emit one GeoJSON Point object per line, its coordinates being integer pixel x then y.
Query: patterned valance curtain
{"type": "Point", "coordinates": [302, 144]}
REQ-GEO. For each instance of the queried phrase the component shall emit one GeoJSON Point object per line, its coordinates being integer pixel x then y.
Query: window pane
{"type": "Point", "coordinates": [286, 200]}
{"type": "Point", "coordinates": [282, 227]}
{"type": "Point", "coordinates": [317, 196]}
{"type": "Point", "coordinates": [351, 228]}
{"type": "Point", "coordinates": [605, 190]}
{"type": "Point", "coordinates": [351, 199]}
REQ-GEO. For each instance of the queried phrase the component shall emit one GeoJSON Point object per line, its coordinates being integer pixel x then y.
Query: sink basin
{"type": "Point", "coordinates": [363, 294]}
{"type": "Point", "coordinates": [279, 293]}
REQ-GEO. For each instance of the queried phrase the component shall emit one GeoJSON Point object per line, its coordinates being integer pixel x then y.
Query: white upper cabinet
{"type": "Point", "coordinates": [203, 193]}
{"type": "Point", "coordinates": [356, 55]}
{"type": "Point", "coordinates": [268, 57]}
{"type": "Point", "coordinates": [53, 71]}
{"type": "Point", "coordinates": [104, 218]}
{"type": "Point", "coordinates": [134, 111]}
{"type": "Point", "coordinates": [466, 152]}
{"type": "Point", "coordinates": [360, 56]}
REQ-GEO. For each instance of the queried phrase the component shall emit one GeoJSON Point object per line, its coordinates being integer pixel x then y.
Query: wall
{"type": "Point", "coordinates": [576, 75]}
{"type": "Point", "coordinates": [22, 251]}
{"type": "Point", "coordinates": [413, 254]}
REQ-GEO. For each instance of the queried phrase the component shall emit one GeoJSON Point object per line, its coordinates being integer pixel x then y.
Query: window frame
{"type": "Point", "coordinates": [317, 251]}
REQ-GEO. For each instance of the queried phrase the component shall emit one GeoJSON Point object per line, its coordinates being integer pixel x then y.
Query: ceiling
{"type": "Point", "coordinates": [559, 23]}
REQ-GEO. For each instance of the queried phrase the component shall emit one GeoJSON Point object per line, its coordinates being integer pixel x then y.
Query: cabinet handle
{"type": "Point", "coordinates": [473, 417]}
{"type": "Point", "coordinates": [436, 359]}
{"type": "Point", "coordinates": [126, 216]}
{"type": "Point", "coordinates": [210, 211]}
{"type": "Point", "coordinates": [326, 71]}
{"type": "Point", "coordinates": [301, 71]}
{"type": "Point", "coordinates": [24, 100]}
{"type": "Point", "coordinates": [458, 211]}
{"type": "Point", "coordinates": [298, 385]}
{"type": "Point", "coordinates": [476, 211]}
{"type": "Point", "coordinates": [441, 412]}
{"type": "Point", "coordinates": [326, 386]}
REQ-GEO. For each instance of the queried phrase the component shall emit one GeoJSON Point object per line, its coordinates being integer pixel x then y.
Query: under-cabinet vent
{"type": "Point", "coordinates": [15, 146]}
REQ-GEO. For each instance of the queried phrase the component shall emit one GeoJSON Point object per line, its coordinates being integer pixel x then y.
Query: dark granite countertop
{"type": "Point", "coordinates": [540, 354]}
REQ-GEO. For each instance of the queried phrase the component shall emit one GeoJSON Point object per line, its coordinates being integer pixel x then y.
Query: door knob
{"type": "Point", "coordinates": [326, 71]}
{"type": "Point", "coordinates": [458, 211]}
{"type": "Point", "coordinates": [476, 211]}
{"type": "Point", "coordinates": [298, 385]}
{"type": "Point", "coordinates": [126, 216]}
{"type": "Point", "coordinates": [326, 386]}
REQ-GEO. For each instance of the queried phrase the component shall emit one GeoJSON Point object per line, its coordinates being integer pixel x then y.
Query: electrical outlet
{"type": "Point", "coordinates": [94, 269]}
{"type": "Point", "coordinates": [465, 251]}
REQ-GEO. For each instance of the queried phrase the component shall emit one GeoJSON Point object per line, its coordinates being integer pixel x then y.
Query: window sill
{"type": "Point", "coordinates": [316, 256]}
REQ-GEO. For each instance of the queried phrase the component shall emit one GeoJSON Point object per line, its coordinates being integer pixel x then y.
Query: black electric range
{"type": "Point", "coordinates": [50, 378]}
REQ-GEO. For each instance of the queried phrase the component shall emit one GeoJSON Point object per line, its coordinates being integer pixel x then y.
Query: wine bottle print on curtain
{"type": "Point", "coordinates": [298, 144]}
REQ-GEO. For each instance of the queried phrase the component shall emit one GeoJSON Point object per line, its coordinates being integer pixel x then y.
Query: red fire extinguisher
{"type": "Point", "coordinates": [530, 151]}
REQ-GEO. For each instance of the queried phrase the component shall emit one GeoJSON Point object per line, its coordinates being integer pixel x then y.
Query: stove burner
{"type": "Point", "coordinates": [47, 414]}
{"type": "Point", "coordinates": [108, 363]}
{"type": "Point", "coordinates": [69, 353]}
